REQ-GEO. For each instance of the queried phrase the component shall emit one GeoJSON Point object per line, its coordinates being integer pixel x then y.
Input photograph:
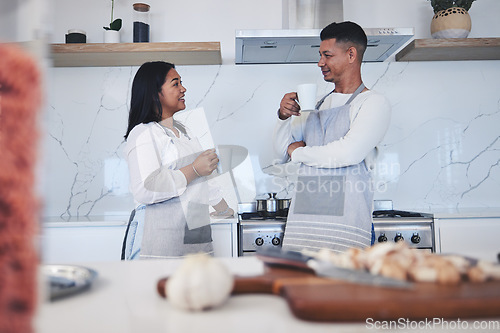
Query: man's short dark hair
{"type": "Point", "coordinates": [346, 32]}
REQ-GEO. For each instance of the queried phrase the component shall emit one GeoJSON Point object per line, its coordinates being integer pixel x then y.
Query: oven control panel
{"type": "Point", "coordinates": [252, 240]}
{"type": "Point", "coordinates": [266, 239]}
{"type": "Point", "coordinates": [253, 236]}
{"type": "Point", "coordinates": [415, 236]}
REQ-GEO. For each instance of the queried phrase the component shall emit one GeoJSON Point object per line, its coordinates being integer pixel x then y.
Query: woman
{"type": "Point", "coordinates": [168, 171]}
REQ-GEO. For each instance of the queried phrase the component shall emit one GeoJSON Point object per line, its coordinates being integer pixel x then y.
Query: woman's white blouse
{"type": "Point", "coordinates": [143, 161]}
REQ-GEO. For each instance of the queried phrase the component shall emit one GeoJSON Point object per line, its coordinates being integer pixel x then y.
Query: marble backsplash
{"type": "Point", "coordinates": [442, 149]}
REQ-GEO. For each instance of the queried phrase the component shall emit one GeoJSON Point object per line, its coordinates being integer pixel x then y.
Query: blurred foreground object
{"type": "Point", "coordinates": [20, 100]}
{"type": "Point", "coordinates": [200, 283]}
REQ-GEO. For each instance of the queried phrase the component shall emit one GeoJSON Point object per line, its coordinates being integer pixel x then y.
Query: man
{"type": "Point", "coordinates": [336, 148]}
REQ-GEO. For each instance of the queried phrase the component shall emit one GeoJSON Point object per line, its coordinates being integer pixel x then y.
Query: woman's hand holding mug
{"type": "Point", "coordinates": [206, 163]}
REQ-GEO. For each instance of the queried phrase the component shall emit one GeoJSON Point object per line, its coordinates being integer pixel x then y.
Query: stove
{"type": "Point", "coordinates": [256, 230]}
{"type": "Point", "coordinates": [413, 228]}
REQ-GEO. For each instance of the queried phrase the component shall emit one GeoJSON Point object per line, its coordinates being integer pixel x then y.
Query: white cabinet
{"type": "Point", "coordinates": [477, 237]}
{"type": "Point", "coordinates": [74, 242]}
{"type": "Point", "coordinates": [81, 242]}
{"type": "Point", "coordinates": [224, 236]}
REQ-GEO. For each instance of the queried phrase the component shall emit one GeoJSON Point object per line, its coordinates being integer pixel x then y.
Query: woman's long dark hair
{"type": "Point", "coordinates": [145, 104]}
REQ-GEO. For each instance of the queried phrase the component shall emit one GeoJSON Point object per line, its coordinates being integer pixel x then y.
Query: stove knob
{"type": "Point", "coordinates": [259, 241]}
{"type": "Point", "coordinates": [382, 238]}
{"type": "Point", "coordinates": [415, 239]}
{"type": "Point", "coordinates": [398, 237]}
{"type": "Point", "coordinates": [276, 241]}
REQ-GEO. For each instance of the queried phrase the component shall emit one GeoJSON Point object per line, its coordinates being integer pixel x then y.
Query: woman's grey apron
{"type": "Point", "coordinates": [177, 226]}
{"type": "Point", "coordinates": [331, 207]}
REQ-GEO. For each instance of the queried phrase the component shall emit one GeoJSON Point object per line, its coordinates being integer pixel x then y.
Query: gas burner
{"type": "Point", "coordinates": [396, 214]}
{"type": "Point", "coordinates": [261, 217]}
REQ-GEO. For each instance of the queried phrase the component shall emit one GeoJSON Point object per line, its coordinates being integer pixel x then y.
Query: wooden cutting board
{"type": "Point", "coordinates": [318, 299]}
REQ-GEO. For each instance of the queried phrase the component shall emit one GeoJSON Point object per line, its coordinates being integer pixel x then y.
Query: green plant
{"type": "Point", "coordinates": [439, 5]}
{"type": "Point", "coordinates": [115, 24]}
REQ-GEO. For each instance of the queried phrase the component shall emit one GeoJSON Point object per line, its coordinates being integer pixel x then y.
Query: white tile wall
{"type": "Point", "coordinates": [441, 151]}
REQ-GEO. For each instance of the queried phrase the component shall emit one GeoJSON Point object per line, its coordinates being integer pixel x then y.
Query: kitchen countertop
{"type": "Point", "coordinates": [109, 220]}
{"type": "Point", "coordinates": [117, 220]}
{"type": "Point", "coordinates": [460, 212]}
{"type": "Point", "coordinates": [479, 212]}
{"type": "Point", "coordinates": [233, 220]}
{"type": "Point", "coordinates": [124, 299]}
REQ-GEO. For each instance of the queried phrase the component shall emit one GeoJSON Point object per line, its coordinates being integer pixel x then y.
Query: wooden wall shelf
{"type": "Point", "coordinates": [450, 49]}
{"type": "Point", "coordinates": [135, 54]}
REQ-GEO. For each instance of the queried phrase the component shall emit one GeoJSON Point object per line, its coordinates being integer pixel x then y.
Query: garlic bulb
{"type": "Point", "coordinates": [201, 282]}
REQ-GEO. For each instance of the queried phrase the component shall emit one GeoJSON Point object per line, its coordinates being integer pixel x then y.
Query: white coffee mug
{"type": "Point", "coordinates": [306, 94]}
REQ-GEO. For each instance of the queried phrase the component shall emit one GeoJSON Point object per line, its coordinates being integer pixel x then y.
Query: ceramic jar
{"type": "Point", "coordinates": [76, 36]}
{"type": "Point", "coordinates": [451, 23]}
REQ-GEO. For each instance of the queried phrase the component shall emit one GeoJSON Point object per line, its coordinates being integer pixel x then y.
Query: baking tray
{"type": "Point", "coordinates": [66, 280]}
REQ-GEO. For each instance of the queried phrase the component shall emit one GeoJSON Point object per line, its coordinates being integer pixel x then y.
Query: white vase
{"type": "Point", "coordinates": [111, 36]}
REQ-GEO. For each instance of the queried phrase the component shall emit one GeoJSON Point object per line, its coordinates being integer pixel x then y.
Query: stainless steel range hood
{"type": "Point", "coordinates": [302, 46]}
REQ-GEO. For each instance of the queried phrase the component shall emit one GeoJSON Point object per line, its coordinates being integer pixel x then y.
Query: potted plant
{"type": "Point", "coordinates": [451, 18]}
{"type": "Point", "coordinates": [112, 33]}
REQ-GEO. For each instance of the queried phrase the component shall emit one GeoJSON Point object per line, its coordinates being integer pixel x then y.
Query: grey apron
{"type": "Point", "coordinates": [331, 207]}
{"type": "Point", "coordinates": [180, 225]}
